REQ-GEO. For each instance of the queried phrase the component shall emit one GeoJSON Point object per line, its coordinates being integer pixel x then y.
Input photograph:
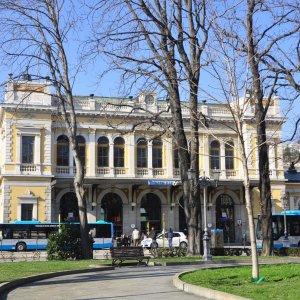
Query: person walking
{"type": "Point", "coordinates": [135, 237]}
{"type": "Point", "coordinates": [170, 237]}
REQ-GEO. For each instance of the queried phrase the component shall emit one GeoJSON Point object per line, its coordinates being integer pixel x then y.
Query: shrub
{"type": "Point", "coordinates": [64, 244]}
{"type": "Point", "coordinates": [288, 251]}
{"type": "Point", "coordinates": [218, 251]}
{"type": "Point", "coordinates": [168, 252]}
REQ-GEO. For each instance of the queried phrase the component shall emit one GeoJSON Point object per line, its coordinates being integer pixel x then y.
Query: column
{"type": "Point", "coordinates": [206, 153]}
{"type": "Point", "coordinates": [169, 158]}
{"type": "Point", "coordinates": [272, 160]}
{"type": "Point", "coordinates": [111, 158]}
{"type": "Point", "coordinates": [222, 159]}
{"type": "Point", "coordinates": [131, 155]}
{"type": "Point", "coordinates": [150, 165]}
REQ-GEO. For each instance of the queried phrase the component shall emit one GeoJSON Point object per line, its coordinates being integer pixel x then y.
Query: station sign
{"type": "Point", "coordinates": [165, 182]}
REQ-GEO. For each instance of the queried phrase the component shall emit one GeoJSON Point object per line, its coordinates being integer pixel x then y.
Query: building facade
{"type": "Point", "coordinates": [132, 175]}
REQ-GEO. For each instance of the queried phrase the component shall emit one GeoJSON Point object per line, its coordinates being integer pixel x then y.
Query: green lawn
{"type": "Point", "coordinates": [282, 281]}
{"type": "Point", "coordinates": [13, 270]}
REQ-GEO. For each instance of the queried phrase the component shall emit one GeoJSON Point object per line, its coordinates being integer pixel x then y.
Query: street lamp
{"type": "Point", "coordinates": [204, 182]}
{"type": "Point", "coordinates": [285, 202]}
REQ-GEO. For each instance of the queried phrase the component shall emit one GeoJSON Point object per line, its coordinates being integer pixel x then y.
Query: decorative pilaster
{"type": "Point", "coordinates": [92, 148]}
{"type": "Point", "coordinates": [48, 206]}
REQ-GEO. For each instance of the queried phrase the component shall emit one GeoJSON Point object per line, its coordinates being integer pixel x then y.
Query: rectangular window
{"type": "Point", "coordinates": [157, 157]}
{"type": "Point", "coordinates": [229, 163]}
{"type": "Point", "coordinates": [142, 157]}
{"type": "Point", "coordinates": [63, 155]}
{"type": "Point", "coordinates": [119, 157]}
{"type": "Point", "coordinates": [27, 149]}
{"type": "Point", "coordinates": [81, 154]}
{"type": "Point", "coordinates": [176, 159]}
{"type": "Point", "coordinates": [103, 158]}
{"type": "Point", "coordinates": [214, 159]}
{"type": "Point", "coordinates": [26, 212]}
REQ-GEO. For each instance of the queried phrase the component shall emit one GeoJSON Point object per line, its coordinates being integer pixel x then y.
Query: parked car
{"type": "Point", "coordinates": [179, 240]}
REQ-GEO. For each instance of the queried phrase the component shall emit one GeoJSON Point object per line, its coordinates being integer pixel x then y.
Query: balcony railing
{"type": "Point", "coordinates": [103, 170]}
{"type": "Point", "coordinates": [141, 172]}
{"type": "Point", "coordinates": [176, 172]}
{"type": "Point", "coordinates": [147, 173]}
{"type": "Point", "coordinates": [158, 172]}
{"type": "Point", "coordinates": [28, 169]}
{"type": "Point", "coordinates": [120, 171]}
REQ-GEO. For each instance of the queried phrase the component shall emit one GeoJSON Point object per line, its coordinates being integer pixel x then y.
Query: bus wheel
{"type": "Point", "coordinates": [21, 247]}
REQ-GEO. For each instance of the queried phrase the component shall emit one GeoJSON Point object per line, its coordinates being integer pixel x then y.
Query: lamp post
{"type": "Point", "coordinates": [204, 182]}
{"type": "Point", "coordinates": [285, 201]}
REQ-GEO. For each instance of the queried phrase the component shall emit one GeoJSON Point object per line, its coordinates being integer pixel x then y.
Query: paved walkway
{"type": "Point", "coordinates": [121, 283]}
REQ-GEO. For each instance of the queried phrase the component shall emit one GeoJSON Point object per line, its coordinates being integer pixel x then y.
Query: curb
{"type": "Point", "coordinates": [202, 291]}
{"type": "Point", "coordinates": [5, 287]}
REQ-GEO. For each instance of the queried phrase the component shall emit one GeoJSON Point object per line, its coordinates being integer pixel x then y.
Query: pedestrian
{"type": "Point", "coordinates": [170, 237]}
{"type": "Point", "coordinates": [152, 234]}
{"type": "Point", "coordinates": [143, 235]}
{"type": "Point", "coordinates": [135, 237]}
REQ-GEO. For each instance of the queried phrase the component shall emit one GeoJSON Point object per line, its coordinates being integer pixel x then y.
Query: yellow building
{"type": "Point", "coordinates": [131, 176]}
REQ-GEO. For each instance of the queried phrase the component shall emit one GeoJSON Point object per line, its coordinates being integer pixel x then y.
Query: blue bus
{"type": "Point", "coordinates": [292, 226]}
{"type": "Point", "coordinates": [33, 235]}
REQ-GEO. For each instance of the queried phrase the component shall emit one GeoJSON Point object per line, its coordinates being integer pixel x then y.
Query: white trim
{"type": "Point", "coordinates": [28, 199]}
{"type": "Point", "coordinates": [27, 183]}
{"type": "Point", "coordinates": [158, 193]}
{"type": "Point", "coordinates": [116, 191]}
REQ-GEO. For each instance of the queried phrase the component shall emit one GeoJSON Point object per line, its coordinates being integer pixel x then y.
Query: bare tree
{"type": "Point", "coordinates": [159, 44]}
{"type": "Point", "coordinates": [228, 71]}
{"type": "Point", "coordinates": [35, 34]}
{"type": "Point", "coordinates": [259, 27]}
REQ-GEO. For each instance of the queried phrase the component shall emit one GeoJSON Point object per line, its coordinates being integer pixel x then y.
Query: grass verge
{"type": "Point", "coordinates": [14, 270]}
{"type": "Point", "coordinates": [282, 281]}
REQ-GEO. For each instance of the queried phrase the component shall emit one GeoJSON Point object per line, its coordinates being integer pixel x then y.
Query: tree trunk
{"type": "Point", "coordinates": [260, 114]}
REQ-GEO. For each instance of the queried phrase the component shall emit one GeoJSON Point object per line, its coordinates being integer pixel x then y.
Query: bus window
{"type": "Point", "coordinates": [1, 235]}
{"type": "Point", "coordinates": [33, 234]}
{"type": "Point", "coordinates": [42, 234]}
{"type": "Point", "coordinates": [295, 228]}
{"type": "Point", "coordinates": [20, 234]}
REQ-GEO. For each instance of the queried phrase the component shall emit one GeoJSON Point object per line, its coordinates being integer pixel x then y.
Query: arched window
{"type": "Point", "coordinates": [63, 151]}
{"type": "Point", "coordinates": [103, 152]}
{"type": "Point", "coordinates": [215, 155]}
{"type": "Point", "coordinates": [119, 152]}
{"type": "Point", "coordinates": [229, 155]}
{"type": "Point", "coordinates": [81, 149]}
{"type": "Point", "coordinates": [157, 154]}
{"type": "Point", "coordinates": [141, 154]}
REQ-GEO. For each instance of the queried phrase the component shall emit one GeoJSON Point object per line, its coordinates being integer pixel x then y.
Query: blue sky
{"type": "Point", "coordinates": [87, 81]}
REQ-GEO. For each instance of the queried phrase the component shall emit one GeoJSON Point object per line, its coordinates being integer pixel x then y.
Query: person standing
{"type": "Point", "coordinates": [135, 237]}
{"type": "Point", "coordinates": [152, 235]}
{"type": "Point", "coordinates": [170, 237]}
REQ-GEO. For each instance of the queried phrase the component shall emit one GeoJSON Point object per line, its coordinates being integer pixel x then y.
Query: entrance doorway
{"type": "Point", "coordinates": [69, 207]}
{"type": "Point", "coordinates": [112, 211]}
{"type": "Point", "coordinates": [225, 217]}
{"type": "Point", "coordinates": [150, 212]}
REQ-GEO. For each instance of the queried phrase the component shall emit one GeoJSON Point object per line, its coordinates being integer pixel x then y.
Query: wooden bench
{"type": "Point", "coordinates": [120, 254]}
